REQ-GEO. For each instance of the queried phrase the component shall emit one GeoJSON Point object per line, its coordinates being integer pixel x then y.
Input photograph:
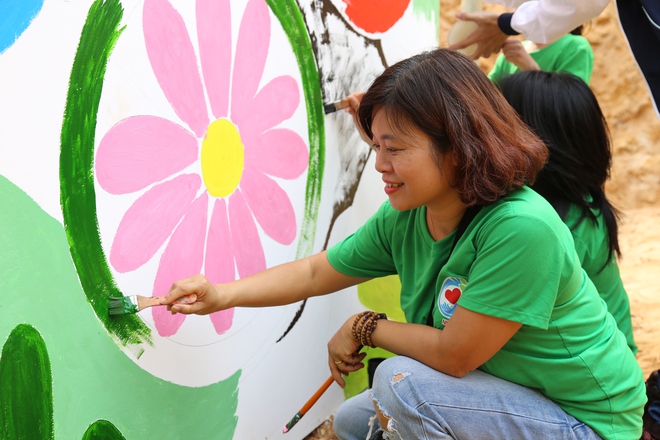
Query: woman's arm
{"type": "Point", "coordinates": [279, 285]}
{"type": "Point", "coordinates": [468, 340]}
{"type": "Point", "coordinates": [515, 53]}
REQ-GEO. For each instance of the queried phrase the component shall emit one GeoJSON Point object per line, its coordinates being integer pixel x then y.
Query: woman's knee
{"type": "Point", "coordinates": [389, 404]}
{"type": "Point", "coordinates": [391, 371]}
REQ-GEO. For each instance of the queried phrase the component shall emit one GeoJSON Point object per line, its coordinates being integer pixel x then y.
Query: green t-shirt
{"type": "Point", "coordinates": [571, 53]}
{"type": "Point", "coordinates": [591, 243]}
{"type": "Point", "coordinates": [515, 261]}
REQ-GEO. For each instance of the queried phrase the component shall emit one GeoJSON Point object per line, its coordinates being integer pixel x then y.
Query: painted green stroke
{"type": "Point", "coordinates": [102, 430]}
{"type": "Point", "coordinates": [78, 199]}
{"type": "Point", "coordinates": [92, 379]}
{"type": "Point", "coordinates": [292, 22]}
{"type": "Point", "coordinates": [26, 387]}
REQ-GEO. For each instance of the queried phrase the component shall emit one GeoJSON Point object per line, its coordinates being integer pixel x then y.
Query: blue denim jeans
{"type": "Point", "coordinates": [422, 403]}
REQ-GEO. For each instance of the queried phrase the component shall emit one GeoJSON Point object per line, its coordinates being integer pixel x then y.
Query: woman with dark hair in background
{"type": "Point", "coordinates": [565, 114]}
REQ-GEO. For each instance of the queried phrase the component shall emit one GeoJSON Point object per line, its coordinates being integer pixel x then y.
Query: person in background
{"type": "Point", "coordinates": [505, 335]}
{"type": "Point", "coordinates": [572, 53]}
{"type": "Point", "coordinates": [565, 114]}
{"type": "Point", "coordinates": [545, 21]}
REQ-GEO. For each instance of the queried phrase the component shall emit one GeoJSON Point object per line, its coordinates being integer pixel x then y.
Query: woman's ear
{"type": "Point", "coordinates": [451, 158]}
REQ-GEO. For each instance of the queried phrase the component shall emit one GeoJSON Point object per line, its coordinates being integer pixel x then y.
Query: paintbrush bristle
{"type": "Point", "coordinates": [329, 108]}
{"type": "Point", "coordinates": [337, 105]}
{"type": "Point", "coordinates": [122, 305]}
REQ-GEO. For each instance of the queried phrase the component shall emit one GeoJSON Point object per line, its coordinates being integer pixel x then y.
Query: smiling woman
{"type": "Point", "coordinates": [492, 289]}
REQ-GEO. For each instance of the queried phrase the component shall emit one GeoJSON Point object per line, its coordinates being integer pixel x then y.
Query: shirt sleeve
{"type": "Point", "coordinates": [522, 263]}
{"type": "Point", "coordinates": [579, 61]}
{"type": "Point", "coordinates": [545, 21]}
{"type": "Point", "coordinates": [366, 253]}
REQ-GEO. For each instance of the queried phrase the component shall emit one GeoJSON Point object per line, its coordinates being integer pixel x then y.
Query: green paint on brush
{"type": "Point", "coordinates": [292, 22]}
{"type": "Point", "coordinates": [102, 430]}
{"type": "Point", "coordinates": [122, 305]}
{"type": "Point", "coordinates": [26, 390]}
{"type": "Point", "coordinates": [78, 197]}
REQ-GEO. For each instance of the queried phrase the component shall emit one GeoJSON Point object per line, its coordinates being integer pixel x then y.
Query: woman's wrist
{"type": "Point", "coordinates": [363, 326]}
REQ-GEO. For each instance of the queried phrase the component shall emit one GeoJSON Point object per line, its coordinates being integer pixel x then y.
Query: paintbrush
{"type": "Point", "coordinates": [308, 405]}
{"type": "Point", "coordinates": [334, 106]}
{"type": "Point", "coordinates": [124, 305]}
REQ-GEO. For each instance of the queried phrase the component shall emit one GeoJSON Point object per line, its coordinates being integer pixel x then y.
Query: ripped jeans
{"type": "Point", "coordinates": [422, 403]}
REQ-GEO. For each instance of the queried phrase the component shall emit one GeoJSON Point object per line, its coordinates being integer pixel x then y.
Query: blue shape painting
{"type": "Point", "coordinates": [15, 17]}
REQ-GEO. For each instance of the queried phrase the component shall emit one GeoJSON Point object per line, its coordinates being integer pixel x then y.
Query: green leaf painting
{"type": "Point", "coordinates": [102, 430]}
{"type": "Point", "coordinates": [92, 378]}
{"type": "Point", "coordinates": [26, 386]}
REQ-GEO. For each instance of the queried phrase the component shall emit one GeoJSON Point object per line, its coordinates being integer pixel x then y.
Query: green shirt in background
{"type": "Point", "coordinates": [591, 243]}
{"type": "Point", "coordinates": [571, 53]}
{"type": "Point", "coordinates": [516, 261]}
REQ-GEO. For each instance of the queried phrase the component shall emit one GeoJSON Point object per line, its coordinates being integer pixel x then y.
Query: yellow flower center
{"type": "Point", "coordinates": [223, 158]}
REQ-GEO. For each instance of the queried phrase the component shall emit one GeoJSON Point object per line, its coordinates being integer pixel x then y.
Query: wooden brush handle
{"type": "Point", "coordinates": [151, 301]}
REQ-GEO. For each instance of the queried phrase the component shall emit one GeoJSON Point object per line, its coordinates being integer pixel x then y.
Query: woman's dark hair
{"type": "Point", "coordinates": [445, 95]}
{"type": "Point", "coordinates": [564, 112]}
{"type": "Point", "coordinates": [577, 30]}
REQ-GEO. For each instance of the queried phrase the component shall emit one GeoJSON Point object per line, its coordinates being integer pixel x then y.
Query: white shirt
{"type": "Point", "coordinates": [545, 21]}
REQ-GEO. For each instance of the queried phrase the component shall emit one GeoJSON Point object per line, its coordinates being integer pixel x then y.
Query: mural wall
{"type": "Point", "coordinates": [142, 141]}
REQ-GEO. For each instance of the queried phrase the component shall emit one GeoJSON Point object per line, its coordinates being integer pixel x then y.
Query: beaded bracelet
{"type": "Point", "coordinates": [364, 325]}
{"type": "Point", "coordinates": [373, 327]}
{"type": "Point", "coordinates": [358, 318]}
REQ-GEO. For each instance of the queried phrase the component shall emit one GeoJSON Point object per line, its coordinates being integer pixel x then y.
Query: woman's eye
{"type": "Point", "coordinates": [375, 147]}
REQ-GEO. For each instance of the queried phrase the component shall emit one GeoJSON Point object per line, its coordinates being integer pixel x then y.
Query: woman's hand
{"type": "Point", "coordinates": [353, 105]}
{"type": "Point", "coordinates": [515, 53]}
{"type": "Point", "coordinates": [488, 36]}
{"type": "Point", "coordinates": [343, 355]}
{"type": "Point", "coordinates": [209, 297]}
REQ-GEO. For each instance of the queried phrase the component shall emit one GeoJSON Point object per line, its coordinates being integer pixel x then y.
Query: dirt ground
{"type": "Point", "coordinates": [634, 186]}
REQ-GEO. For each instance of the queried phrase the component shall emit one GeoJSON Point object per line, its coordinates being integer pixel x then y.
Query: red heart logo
{"type": "Point", "coordinates": [453, 295]}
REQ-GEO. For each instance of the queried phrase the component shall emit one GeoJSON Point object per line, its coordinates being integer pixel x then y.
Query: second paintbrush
{"type": "Point", "coordinates": [334, 106]}
{"type": "Point", "coordinates": [126, 305]}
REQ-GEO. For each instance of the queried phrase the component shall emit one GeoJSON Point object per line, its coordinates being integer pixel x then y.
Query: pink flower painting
{"type": "Point", "coordinates": [207, 180]}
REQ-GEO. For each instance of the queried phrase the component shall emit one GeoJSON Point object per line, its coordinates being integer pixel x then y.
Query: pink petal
{"type": "Point", "coordinates": [214, 39]}
{"type": "Point", "coordinates": [142, 150]}
{"type": "Point", "coordinates": [251, 52]}
{"type": "Point", "coordinates": [275, 102]}
{"type": "Point", "coordinates": [270, 205]}
{"type": "Point", "coordinates": [173, 59]}
{"type": "Point", "coordinates": [222, 320]}
{"type": "Point", "coordinates": [150, 220]}
{"type": "Point", "coordinates": [219, 265]}
{"type": "Point", "coordinates": [182, 258]}
{"type": "Point", "coordinates": [279, 152]}
{"type": "Point", "coordinates": [248, 251]}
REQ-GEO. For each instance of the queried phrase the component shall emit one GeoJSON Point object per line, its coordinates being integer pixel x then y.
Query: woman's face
{"type": "Point", "coordinates": [412, 178]}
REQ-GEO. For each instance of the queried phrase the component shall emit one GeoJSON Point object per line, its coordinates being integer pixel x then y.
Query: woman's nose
{"type": "Point", "coordinates": [382, 162]}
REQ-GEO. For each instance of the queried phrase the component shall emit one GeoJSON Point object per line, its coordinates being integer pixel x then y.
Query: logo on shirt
{"type": "Point", "coordinates": [450, 292]}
